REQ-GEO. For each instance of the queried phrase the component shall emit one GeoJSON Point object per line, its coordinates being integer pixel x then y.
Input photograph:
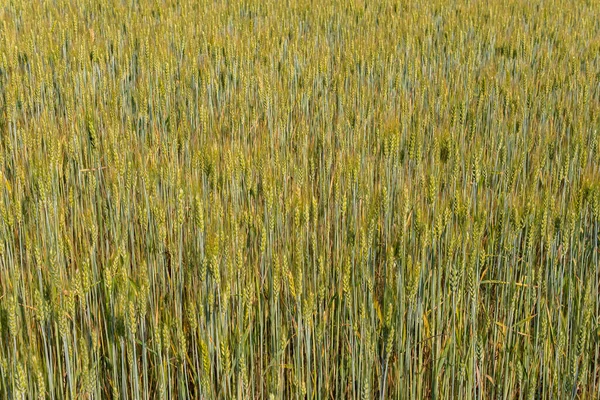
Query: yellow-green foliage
{"type": "Point", "coordinates": [299, 199]}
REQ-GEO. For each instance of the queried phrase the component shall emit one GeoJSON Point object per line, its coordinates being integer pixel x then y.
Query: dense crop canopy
{"type": "Point", "coordinates": [299, 199]}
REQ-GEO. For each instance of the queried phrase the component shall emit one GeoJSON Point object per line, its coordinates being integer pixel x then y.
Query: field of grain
{"type": "Point", "coordinates": [299, 199]}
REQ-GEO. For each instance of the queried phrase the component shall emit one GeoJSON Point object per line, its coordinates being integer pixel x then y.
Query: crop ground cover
{"type": "Point", "coordinates": [299, 199]}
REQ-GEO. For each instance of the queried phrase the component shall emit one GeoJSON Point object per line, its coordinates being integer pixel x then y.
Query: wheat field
{"type": "Point", "coordinates": [299, 199]}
